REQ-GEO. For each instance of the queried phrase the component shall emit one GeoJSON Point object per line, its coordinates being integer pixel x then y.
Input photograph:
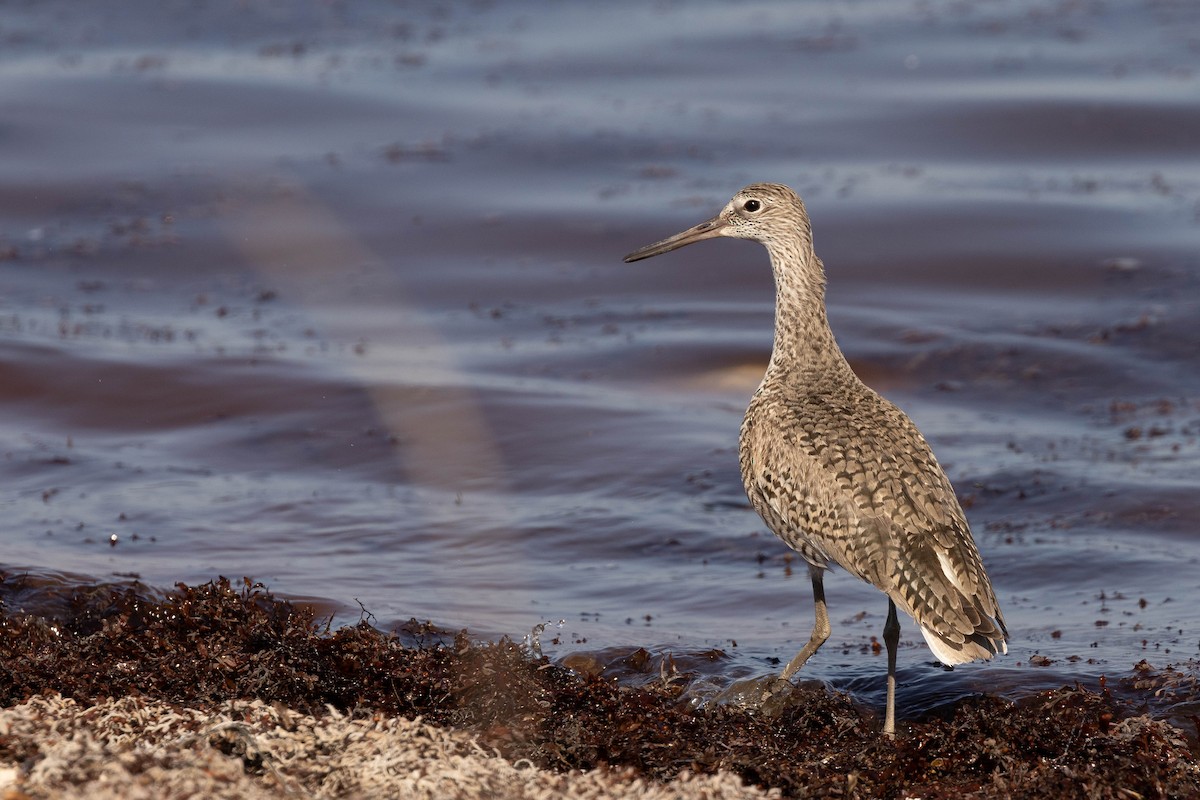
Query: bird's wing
{"type": "Point", "coordinates": [850, 476]}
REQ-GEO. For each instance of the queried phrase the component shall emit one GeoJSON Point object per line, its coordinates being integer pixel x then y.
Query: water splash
{"type": "Point", "coordinates": [533, 639]}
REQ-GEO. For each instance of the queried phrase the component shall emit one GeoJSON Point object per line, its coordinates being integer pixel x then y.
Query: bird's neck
{"type": "Point", "coordinates": [805, 353]}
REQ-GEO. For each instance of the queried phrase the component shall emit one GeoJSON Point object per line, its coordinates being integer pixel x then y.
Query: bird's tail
{"type": "Point", "coordinates": [989, 638]}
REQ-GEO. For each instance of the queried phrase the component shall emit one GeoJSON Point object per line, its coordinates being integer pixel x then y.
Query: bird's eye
{"type": "Point", "coordinates": [751, 206]}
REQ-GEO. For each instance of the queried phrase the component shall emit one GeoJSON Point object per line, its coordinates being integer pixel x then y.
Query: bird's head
{"type": "Point", "coordinates": [764, 212]}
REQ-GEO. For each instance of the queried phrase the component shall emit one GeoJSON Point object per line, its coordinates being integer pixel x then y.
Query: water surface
{"type": "Point", "coordinates": [331, 296]}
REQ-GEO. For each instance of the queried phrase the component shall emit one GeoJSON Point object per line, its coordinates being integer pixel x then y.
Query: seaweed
{"type": "Point", "coordinates": [199, 646]}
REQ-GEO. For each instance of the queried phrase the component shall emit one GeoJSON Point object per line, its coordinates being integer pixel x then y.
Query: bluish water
{"type": "Point", "coordinates": [331, 296]}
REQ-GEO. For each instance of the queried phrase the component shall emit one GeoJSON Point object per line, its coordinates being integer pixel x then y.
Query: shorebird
{"type": "Point", "coordinates": [839, 473]}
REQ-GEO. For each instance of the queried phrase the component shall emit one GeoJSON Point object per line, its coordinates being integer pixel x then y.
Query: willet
{"type": "Point", "coordinates": [838, 472]}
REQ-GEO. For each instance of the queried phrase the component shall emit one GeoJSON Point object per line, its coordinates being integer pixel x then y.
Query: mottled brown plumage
{"type": "Point", "coordinates": [838, 472]}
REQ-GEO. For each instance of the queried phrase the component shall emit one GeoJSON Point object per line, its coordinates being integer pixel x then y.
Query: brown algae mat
{"type": "Point", "coordinates": [220, 691]}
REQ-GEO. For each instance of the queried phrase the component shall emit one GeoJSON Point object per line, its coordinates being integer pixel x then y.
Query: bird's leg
{"type": "Point", "coordinates": [820, 629]}
{"type": "Point", "coordinates": [891, 638]}
{"type": "Point", "coordinates": [772, 695]}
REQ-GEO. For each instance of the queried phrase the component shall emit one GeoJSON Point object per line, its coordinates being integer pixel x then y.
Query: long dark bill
{"type": "Point", "coordinates": [705, 230]}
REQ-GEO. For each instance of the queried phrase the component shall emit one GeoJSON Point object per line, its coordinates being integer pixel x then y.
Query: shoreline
{"type": "Point", "coordinates": [137, 691]}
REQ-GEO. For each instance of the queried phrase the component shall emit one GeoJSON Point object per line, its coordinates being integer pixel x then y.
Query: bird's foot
{"type": "Point", "coordinates": [770, 695]}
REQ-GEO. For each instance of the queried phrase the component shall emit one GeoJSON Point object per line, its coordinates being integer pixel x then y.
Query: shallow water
{"type": "Point", "coordinates": [331, 295]}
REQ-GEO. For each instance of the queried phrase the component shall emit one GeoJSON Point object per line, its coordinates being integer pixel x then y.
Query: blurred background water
{"type": "Point", "coordinates": [331, 295]}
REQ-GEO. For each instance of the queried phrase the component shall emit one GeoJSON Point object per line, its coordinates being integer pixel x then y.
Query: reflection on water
{"type": "Point", "coordinates": [332, 296]}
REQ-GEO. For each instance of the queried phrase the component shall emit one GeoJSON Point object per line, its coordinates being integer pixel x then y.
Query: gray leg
{"type": "Point", "coordinates": [891, 637]}
{"type": "Point", "coordinates": [820, 629]}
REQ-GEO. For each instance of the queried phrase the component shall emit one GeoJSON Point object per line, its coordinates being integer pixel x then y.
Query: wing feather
{"type": "Point", "coordinates": [848, 478]}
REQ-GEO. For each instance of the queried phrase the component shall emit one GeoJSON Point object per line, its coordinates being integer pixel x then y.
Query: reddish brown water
{"type": "Point", "coordinates": [332, 295]}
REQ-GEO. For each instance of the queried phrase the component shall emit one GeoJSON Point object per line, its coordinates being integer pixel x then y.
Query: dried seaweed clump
{"type": "Point", "coordinates": [203, 646]}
